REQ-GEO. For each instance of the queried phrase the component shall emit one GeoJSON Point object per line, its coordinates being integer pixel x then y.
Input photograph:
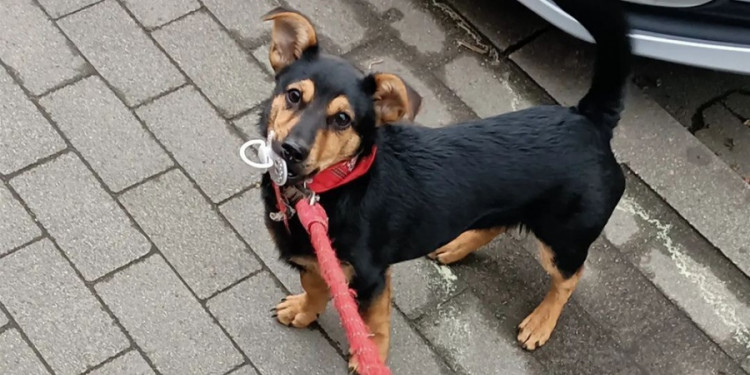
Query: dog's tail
{"type": "Point", "coordinates": [605, 21]}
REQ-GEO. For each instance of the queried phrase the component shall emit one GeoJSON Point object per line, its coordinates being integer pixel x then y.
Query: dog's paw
{"type": "Point", "coordinates": [448, 254]}
{"type": "Point", "coordinates": [294, 311]}
{"type": "Point", "coordinates": [353, 365]}
{"type": "Point", "coordinates": [536, 329]}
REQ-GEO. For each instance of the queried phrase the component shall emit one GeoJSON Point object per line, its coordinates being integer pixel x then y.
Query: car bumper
{"type": "Point", "coordinates": [710, 41]}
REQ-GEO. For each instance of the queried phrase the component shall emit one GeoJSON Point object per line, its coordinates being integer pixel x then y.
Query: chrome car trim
{"type": "Point", "coordinates": [702, 53]}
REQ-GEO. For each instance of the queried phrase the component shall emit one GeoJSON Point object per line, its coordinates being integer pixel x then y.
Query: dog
{"type": "Point", "coordinates": [442, 192]}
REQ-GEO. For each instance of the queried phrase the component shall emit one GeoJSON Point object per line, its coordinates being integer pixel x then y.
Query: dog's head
{"type": "Point", "coordinates": [324, 110]}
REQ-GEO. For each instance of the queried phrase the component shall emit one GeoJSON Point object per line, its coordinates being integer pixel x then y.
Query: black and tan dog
{"type": "Point", "coordinates": [549, 169]}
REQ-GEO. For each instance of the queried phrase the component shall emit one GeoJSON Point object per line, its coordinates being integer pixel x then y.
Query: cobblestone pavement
{"type": "Point", "coordinates": [130, 232]}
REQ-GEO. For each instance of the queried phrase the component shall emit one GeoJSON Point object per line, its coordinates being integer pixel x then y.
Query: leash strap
{"type": "Point", "coordinates": [281, 205]}
{"type": "Point", "coordinates": [315, 220]}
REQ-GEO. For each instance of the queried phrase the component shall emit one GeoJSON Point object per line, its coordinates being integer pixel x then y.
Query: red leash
{"type": "Point", "coordinates": [315, 221]}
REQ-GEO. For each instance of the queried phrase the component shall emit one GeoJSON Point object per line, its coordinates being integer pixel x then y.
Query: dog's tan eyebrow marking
{"type": "Point", "coordinates": [306, 87]}
{"type": "Point", "coordinates": [281, 119]}
{"type": "Point", "coordinates": [339, 104]}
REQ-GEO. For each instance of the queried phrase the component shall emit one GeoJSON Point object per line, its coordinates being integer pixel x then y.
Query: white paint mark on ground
{"type": "Point", "coordinates": [449, 278]}
{"type": "Point", "coordinates": [621, 228]}
{"type": "Point", "coordinates": [516, 102]}
{"type": "Point", "coordinates": [470, 336]}
{"type": "Point", "coordinates": [711, 289]}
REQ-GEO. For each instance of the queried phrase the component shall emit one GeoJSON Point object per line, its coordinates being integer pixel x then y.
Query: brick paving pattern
{"type": "Point", "coordinates": [132, 242]}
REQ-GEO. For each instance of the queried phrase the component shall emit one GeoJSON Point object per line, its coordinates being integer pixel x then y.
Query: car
{"type": "Point", "coordinates": [712, 34]}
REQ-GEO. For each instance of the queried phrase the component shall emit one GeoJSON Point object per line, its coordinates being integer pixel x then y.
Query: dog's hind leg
{"type": "Point", "coordinates": [465, 244]}
{"type": "Point", "coordinates": [535, 330]}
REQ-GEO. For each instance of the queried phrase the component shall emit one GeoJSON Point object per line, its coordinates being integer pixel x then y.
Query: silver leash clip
{"type": "Point", "coordinates": [314, 198]}
{"type": "Point", "coordinates": [276, 216]}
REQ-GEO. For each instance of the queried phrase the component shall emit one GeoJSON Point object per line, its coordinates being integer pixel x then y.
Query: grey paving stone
{"type": "Point", "coordinates": [25, 135]}
{"type": "Point", "coordinates": [121, 52]}
{"type": "Point", "coordinates": [244, 370]}
{"type": "Point", "coordinates": [246, 214]}
{"type": "Point", "coordinates": [580, 346]}
{"type": "Point", "coordinates": [156, 13]}
{"type": "Point", "coordinates": [248, 124]}
{"type": "Point", "coordinates": [417, 25]}
{"type": "Point", "coordinates": [473, 81]}
{"type": "Point", "coordinates": [243, 18]}
{"type": "Point", "coordinates": [62, 319]}
{"type": "Point", "coordinates": [205, 251]}
{"type": "Point", "coordinates": [243, 311]}
{"type": "Point", "coordinates": [222, 70]}
{"type": "Point", "coordinates": [727, 137]}
{"type": "Point", "coordinates": [678, 348]}
{"type": "Point", "coordinates": [692, 274]}
{"type": "Point", "coordinates": [667, 157]}
{"type": "Point", "coordinates": [661, 338]}
{"type": "Point", "coordinates": [33, 47]}
{"type": "Point", "coordinates": [469, 338]}
{"type": "Point", "coordinates": [166, 321]}
{"type": "Point", "coordinates": [421, 284]}
{"type": "Point", "coordinates": [681, 89]}
{"type": "Point", "coordinates": [200, 141]}
{"type": "Point", "coordinates": [87, 224]}
{"type": "Point", "coordinates": [434, 112]}
{"type": "Point", "coordinates": [130, 363]}
{"type": "Point", "coordinates": [618, 297]}
{"type": "Point", "coordinates": [17, 227]}
{"type": "Point", "coordinates": [504, 22]}
{"type": "Point", "coordinates": [59, 8]}
{"type": "Point", "coordinates": [261, 54]}
{"type": "Point", "coordinates": [16, 358]}
{"type": "Point", "coordinates": [739, 103]}
{"type": "Point", "coordinates": [106, 133]}
{"type": "Point", "coordinates": [3, 319]}
{"type": "Point", "coordinates": [567, 75]}
{"type": "Point", "coordinates": [337, 20]}
{"type": "Point", "coordinates": [409, 353]}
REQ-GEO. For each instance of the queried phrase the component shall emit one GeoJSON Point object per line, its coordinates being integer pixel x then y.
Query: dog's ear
{"type": "Point", "coordinates": [291, 35]}
{"type": "Point", "coordinates": [392, 97]}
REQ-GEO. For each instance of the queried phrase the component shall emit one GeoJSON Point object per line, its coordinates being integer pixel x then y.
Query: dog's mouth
{"type": "Point", "coordinates": [296, 176]}
{"type": "Point", "coordinates": [293, 177]}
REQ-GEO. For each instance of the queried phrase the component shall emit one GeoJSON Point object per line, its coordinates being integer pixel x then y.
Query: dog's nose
{"type": "Point", "coordinates": [293, 152]}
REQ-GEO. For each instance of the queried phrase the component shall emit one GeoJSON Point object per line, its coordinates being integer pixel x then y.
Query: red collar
{"type": "Point", "coordinates": [342, 173]}
{"type": "Point", "coordinates": [330, 178]}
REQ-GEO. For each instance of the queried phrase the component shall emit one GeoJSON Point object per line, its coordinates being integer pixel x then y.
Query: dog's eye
{"type": "Point", "coordinates": [340, 120]}
{"type": "Point", "coordinates": [293, 96]}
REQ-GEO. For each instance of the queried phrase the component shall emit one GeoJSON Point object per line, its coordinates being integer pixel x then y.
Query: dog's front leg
{"type": "Point", "coordinates": [377, 316]}
{"type": "Point", "coordinates": [302, 309]}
